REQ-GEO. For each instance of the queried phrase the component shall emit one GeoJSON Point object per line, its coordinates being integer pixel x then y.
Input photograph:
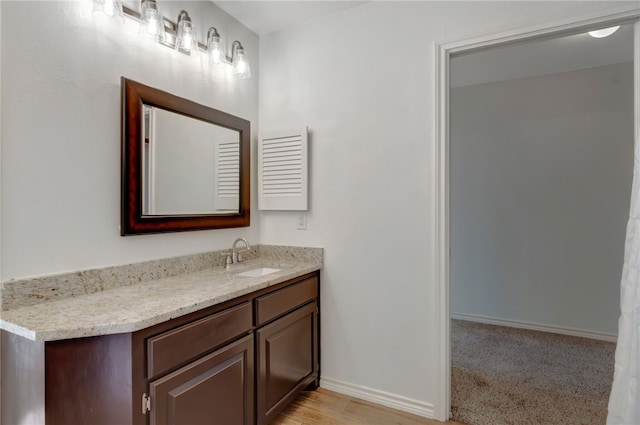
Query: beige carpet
{"type": "Point", "coordinates": [506, 376]}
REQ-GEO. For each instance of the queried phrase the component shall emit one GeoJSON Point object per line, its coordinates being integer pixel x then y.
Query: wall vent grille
{"type": "Point", "coordinates": [283, 169]}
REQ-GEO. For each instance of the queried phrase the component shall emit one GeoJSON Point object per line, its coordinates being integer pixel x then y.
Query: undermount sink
{"type": "Point", "coordinates": [260, 271]}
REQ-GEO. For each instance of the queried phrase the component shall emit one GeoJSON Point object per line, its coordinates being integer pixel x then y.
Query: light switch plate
{"type": "Point", "coordinates": [301, 223]}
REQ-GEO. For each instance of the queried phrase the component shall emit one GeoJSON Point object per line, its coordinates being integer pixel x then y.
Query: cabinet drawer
{"type": "Point", "coordinates": [273, 305]}
{"type": "Point", "coordinates": [174, 348]}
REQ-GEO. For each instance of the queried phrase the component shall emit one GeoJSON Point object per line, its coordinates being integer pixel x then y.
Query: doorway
{"type": "Point", "coordinates": [541, 173]}
{"type": "Point", "coordinates": [442, 167]}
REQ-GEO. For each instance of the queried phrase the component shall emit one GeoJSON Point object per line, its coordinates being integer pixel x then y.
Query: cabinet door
{"type": "Point", "coordinates": [214, 390]}
{"type": "Point", "coordinates": [287, 352]}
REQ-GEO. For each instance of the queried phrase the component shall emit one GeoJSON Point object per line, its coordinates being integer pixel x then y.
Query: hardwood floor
{"type": "Point", "coordinates": [322, 407]}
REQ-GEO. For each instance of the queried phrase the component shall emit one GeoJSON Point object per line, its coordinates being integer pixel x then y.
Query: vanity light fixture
{"type": "Point", "coordinates": [239, 60]}
{"type": "Point", "coordinates": [180, 36]}
{"type": "Point", "coordinates": [151, 21]}
{"type": "Point", "coordinates": [605, 32]}
{"type": "Point", "coordinates": [186, 41]}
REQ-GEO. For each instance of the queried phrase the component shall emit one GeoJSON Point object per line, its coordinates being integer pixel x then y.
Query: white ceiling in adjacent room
{"type": "Point", "coordinates": [540, 57]}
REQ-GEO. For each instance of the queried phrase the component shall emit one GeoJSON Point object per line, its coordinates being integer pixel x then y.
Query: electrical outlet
{"type": "Point", "coordinates": [302, 221]}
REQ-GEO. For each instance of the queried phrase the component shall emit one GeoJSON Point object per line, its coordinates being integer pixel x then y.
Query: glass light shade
{"type": "Point", "coordinates": [151, 21]}
{"type": "Point", "coordinates": [240, 63]}
{"type": "Point", "coordinates": [605, 32]}
{"type": "Point", "coordinates": [186, 40]}
{"type": "Point", "coordinates": [215, 49]}
{"type": "Point", "coordinates": [110, 8]}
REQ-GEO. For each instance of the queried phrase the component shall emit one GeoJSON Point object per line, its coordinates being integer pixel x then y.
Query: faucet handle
{"type": "Point", "coordinates": [228, 261]}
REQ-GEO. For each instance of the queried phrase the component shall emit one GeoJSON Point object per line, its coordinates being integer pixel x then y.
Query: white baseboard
{"type": "Point", "coordinates": [602, 336]}
{"type": "Point", "coordinates": [379, 397]}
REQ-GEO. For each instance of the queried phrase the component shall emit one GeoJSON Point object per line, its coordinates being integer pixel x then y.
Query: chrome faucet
{"type": "Point", "coordinates": [236, 256]}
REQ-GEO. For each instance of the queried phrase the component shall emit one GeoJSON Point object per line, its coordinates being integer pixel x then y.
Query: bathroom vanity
{"type": "Point", "coordinates": [179, 341]}
{"type": "Point", "coordinates": [210, 346]}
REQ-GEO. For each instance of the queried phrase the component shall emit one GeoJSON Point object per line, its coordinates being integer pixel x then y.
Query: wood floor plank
{"type": "Point", "coordinates": [285, 420]}
{"type": "Point", "coordinates": [323, 407]}
{"type": "Point", "coordinates": [315, 412]}
{"type": "Point", "coordinates": [329, 399]}
{"type": "Point", "coordinates": [380, 415]}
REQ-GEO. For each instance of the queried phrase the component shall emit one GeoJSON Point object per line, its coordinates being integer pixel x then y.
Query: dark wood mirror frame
{"type": "Point", "coordinates": [133, 222]}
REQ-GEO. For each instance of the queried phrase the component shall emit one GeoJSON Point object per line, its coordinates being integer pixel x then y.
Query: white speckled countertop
{"type": "Point", "coordinates": [138, 306]}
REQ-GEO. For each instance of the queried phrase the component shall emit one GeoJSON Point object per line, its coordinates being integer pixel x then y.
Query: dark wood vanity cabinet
{"type": "Point", "coordinates": [265, 352]}
{"type": "Point", "coordinates": [240, 362]}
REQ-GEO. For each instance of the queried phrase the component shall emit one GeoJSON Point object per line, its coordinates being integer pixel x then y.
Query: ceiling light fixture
{"type": "Point", "coordinates": [180, 36]}
{"type": "Point", "coordinates": [605, 32]}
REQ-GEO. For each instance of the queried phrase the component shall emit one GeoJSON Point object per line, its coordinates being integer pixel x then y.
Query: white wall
{"type": "Point", "coordinates": [362, 80]}
{"type": "Point", "coordinates": [540, 186]}
{"type": "Point", "coordinates": [61, 72]}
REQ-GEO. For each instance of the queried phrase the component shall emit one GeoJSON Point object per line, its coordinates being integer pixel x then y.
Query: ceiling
{"type": "Point", "coordinates": [264, 17]}
{"type": "Point", "coordinates": [540, 57]}
{"type": "Point", "coordinates": [522, 60]}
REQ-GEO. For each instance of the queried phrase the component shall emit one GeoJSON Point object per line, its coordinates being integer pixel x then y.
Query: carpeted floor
{"type": "Point", "coordinates": [507, 376]}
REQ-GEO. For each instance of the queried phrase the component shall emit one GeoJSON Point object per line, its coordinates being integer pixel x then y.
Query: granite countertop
{"type": "Point", "coordinates": [135, 307]}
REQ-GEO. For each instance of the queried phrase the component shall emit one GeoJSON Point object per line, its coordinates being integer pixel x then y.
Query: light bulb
{"type": "Point", "coordinates": [241, 66]}
{"type": "Point", "coordinates": [605, 32]}
{"type": "Point", "coordinates": [187, 40]}
{"type": "Point", "coordinates": [109, 8]}
{"type": "Point", "coordinates": [216, 55]}
{"type": "Point", "coordinates": [152, 25]}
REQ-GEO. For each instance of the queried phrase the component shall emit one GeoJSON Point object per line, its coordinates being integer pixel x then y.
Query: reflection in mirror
{"type": "Point", "coordinates": [189, 166]}
{"type": "Point", "coordinates": [185, 166]}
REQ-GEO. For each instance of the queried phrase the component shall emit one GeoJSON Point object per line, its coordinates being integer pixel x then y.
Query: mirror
{"type": "Point", "coordinates": [185, 166]}
{"type": "Point", "coordinates": [180, 152]}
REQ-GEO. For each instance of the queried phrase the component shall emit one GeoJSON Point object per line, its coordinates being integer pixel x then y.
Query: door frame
{"type": "Point", "coordinates": [443, 52]}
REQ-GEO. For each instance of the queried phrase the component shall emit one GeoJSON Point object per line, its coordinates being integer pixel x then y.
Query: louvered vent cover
{"type": "Point", "coordinates": [228, 176]}
{"type": "Point", "coordinates": [283, 170]}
